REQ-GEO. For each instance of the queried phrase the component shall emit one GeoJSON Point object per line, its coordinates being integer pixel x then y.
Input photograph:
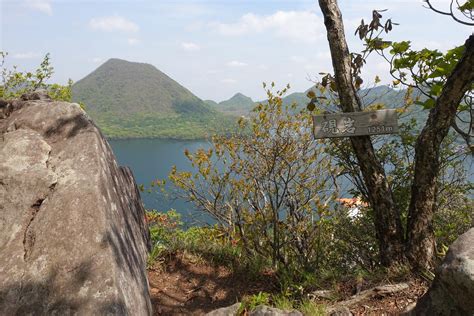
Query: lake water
{"type": "Point", "coordinates": [152, 159]}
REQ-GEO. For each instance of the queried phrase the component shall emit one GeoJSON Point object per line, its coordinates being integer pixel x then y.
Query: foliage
{"type": "Point", "coordinates": [425, 69]}
{"type": "Point", "coordinates": [429, 71]}
{"type": "Point", "coordinates": [249, 303]}
{"type": "Point", "coordinates": [310, 308]}
{"type": "Point", "coordinates": [15, 83]}
{"type": "Point", "coordinates": [282, 302]}
{"type": "Point", "coordinates": [354, 243]}
{"type": "Point", "coordinates": [396, 153]}
{"type": "Point", "coordinates": [159, 125]}
{"type": "Point", "coordinates": [269, 189]}
{"type": "Point", "coordinates": [168, 236]}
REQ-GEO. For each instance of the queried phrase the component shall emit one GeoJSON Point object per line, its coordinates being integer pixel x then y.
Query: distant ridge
{"type": "Point", "coordinates": [238, 100]}
{"type": "Point", "coordinates": [238, 104]}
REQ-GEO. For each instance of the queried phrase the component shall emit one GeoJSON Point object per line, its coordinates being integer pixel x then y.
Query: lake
{"type": "Point", "coordinates": [152, 159]}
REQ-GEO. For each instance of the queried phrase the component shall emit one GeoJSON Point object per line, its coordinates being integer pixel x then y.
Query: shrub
{"type": "Point", "coordinates": [267, 187]}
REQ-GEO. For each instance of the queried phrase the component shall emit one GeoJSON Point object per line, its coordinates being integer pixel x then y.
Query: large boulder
{"type": "Point", "coordinates": [73, 239]}
{"type": "Point", "coordinates": [263, 310]}
{"type": "Point", "coordinates": [452, 291]}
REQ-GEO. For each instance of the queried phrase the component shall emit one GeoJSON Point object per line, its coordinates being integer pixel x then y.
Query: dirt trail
{"type": "Point", "coordinates": [184, 285]}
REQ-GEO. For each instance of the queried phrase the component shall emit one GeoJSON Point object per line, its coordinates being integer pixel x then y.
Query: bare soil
{"type": "Point", "coordinates": [185, 285]}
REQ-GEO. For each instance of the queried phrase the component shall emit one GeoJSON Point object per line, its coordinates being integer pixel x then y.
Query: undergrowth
{"type": "Point", "coordinates": [215, 246]}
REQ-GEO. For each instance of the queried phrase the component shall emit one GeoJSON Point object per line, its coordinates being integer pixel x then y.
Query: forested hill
{"type": "Point", "coordinates": [242, 105]}
{"type": "Point", "coordinates": [129, 99]}
{"type": "Point", "coordinates": [136, 100]}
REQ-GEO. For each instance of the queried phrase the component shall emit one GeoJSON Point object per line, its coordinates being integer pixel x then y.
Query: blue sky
{"type": "Point", "coordinates": [214, 48]}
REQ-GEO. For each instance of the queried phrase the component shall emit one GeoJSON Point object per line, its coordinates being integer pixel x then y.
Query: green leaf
{"type": "Point", "coordinates": [429, 104]}
{"type": "Point", "coordinates": [436, 89]}
{"type": "Point", "coordinates": [400, 47]}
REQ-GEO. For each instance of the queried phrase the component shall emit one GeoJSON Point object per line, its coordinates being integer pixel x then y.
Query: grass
{"type": "Point", "coordinates": [215, 246]}
{"type": "Point", "coordinates": [310, 308]}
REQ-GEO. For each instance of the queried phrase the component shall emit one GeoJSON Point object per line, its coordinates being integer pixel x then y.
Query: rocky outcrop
{"type": "Point", "coordinates": [261, 310]}
{"type": "Point", "coordinates": [225, 311]}
{"type": "Point", "coordinates": [452, 291]}
{"type": "Point", "coordinates": [73, 239]}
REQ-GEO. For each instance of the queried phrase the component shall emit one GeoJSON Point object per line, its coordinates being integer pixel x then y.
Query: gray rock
{"type": "Point", "coordinates": [73, 238]}
{"type": "Point", "coordinates": [452, 291]}
{"type": "Point", "coordinates": [225, 311]}
{"type": "Point", "coordinates": [39, 94]}
{"type": "Point", "coordinates": [326, 294]}
{"type": "Point", "coordinates": [339, 311]}
{"type": "Point", "coordinates": [263, 310]}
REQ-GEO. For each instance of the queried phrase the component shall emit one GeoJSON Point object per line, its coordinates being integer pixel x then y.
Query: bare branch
{"type": "Point", "coordinates": [450, 13]}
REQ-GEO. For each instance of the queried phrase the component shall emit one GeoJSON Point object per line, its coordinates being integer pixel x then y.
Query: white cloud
{"type": "Point", "coordinates": [189, 46]}
{"type": "Point", "coordinates": [28, 55]}
{"type": "Point", "coordinates": [43, 6]}
{"type": "Point", "coordinates": [133, 41]}
{"type": "Point", "coordinates": [113, 23]}
{"type": "Point", "coordinates": [236, 63]}
{"type": "Point", "coordinates": [296, 25]}
{"type": "Point", "coordinates": [228, 80]}
{"type": "Point", "coordinates": [96, 60]}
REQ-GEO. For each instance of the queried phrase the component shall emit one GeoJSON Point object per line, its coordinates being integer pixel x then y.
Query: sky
{"type": "Point", "coordinates": [215, 48]}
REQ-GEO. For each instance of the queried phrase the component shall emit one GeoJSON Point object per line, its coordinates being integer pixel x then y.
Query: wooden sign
{"type": "Point", "coordinates": [355, 124]}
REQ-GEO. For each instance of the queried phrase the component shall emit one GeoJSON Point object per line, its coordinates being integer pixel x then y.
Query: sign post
{"type": "Point", "coordinates": [355, 124]}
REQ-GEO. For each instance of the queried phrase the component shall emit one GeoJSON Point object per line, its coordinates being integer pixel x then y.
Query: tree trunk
{"type": "Point", "coordinates": [420, 237]}
{"type": "Point", "coordinates": [387, 218]}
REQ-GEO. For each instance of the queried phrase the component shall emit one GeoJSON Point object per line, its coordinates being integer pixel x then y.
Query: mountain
{"type": "Point", "coordinates": [211, 103]}
{"type": "Point", "coordinates": [391, 98]}
{"type": "Point", "coordinates": [127, 87]}
{"type": "Point", "coordinates": [238, 105]}
{"type": "Point", "coordinates": [238, 100]}
{"type": "Point", "coordinates": [129, 99]}
{"type": "Point", "coordinates": [380, 94]}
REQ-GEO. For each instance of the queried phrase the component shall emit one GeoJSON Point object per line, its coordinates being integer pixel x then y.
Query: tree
{"type": "Point", "coordinates": [14, 83]}
{"type": "Point", "coordinates": [387, 220]}
{"type": "Point", "coordinates": [268, 185]}
{"type": "Point", "coordinates": [419, 239]}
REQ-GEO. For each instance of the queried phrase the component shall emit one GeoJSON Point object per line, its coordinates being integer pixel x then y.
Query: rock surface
{"type": "Point", "coordinates": [263, 310]}
{"type": "Point", "coordinates": [225, 311]}
{"type": "Point", "coordinates": [73, 238]}
{"type": "Point", "coordinates": [452, 291]}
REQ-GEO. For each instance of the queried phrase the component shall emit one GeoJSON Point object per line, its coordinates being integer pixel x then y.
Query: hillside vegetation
{"type": "Point", "coordinates": [240, 104]}
{"type": "Point", "coordinates": [135, 100]}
